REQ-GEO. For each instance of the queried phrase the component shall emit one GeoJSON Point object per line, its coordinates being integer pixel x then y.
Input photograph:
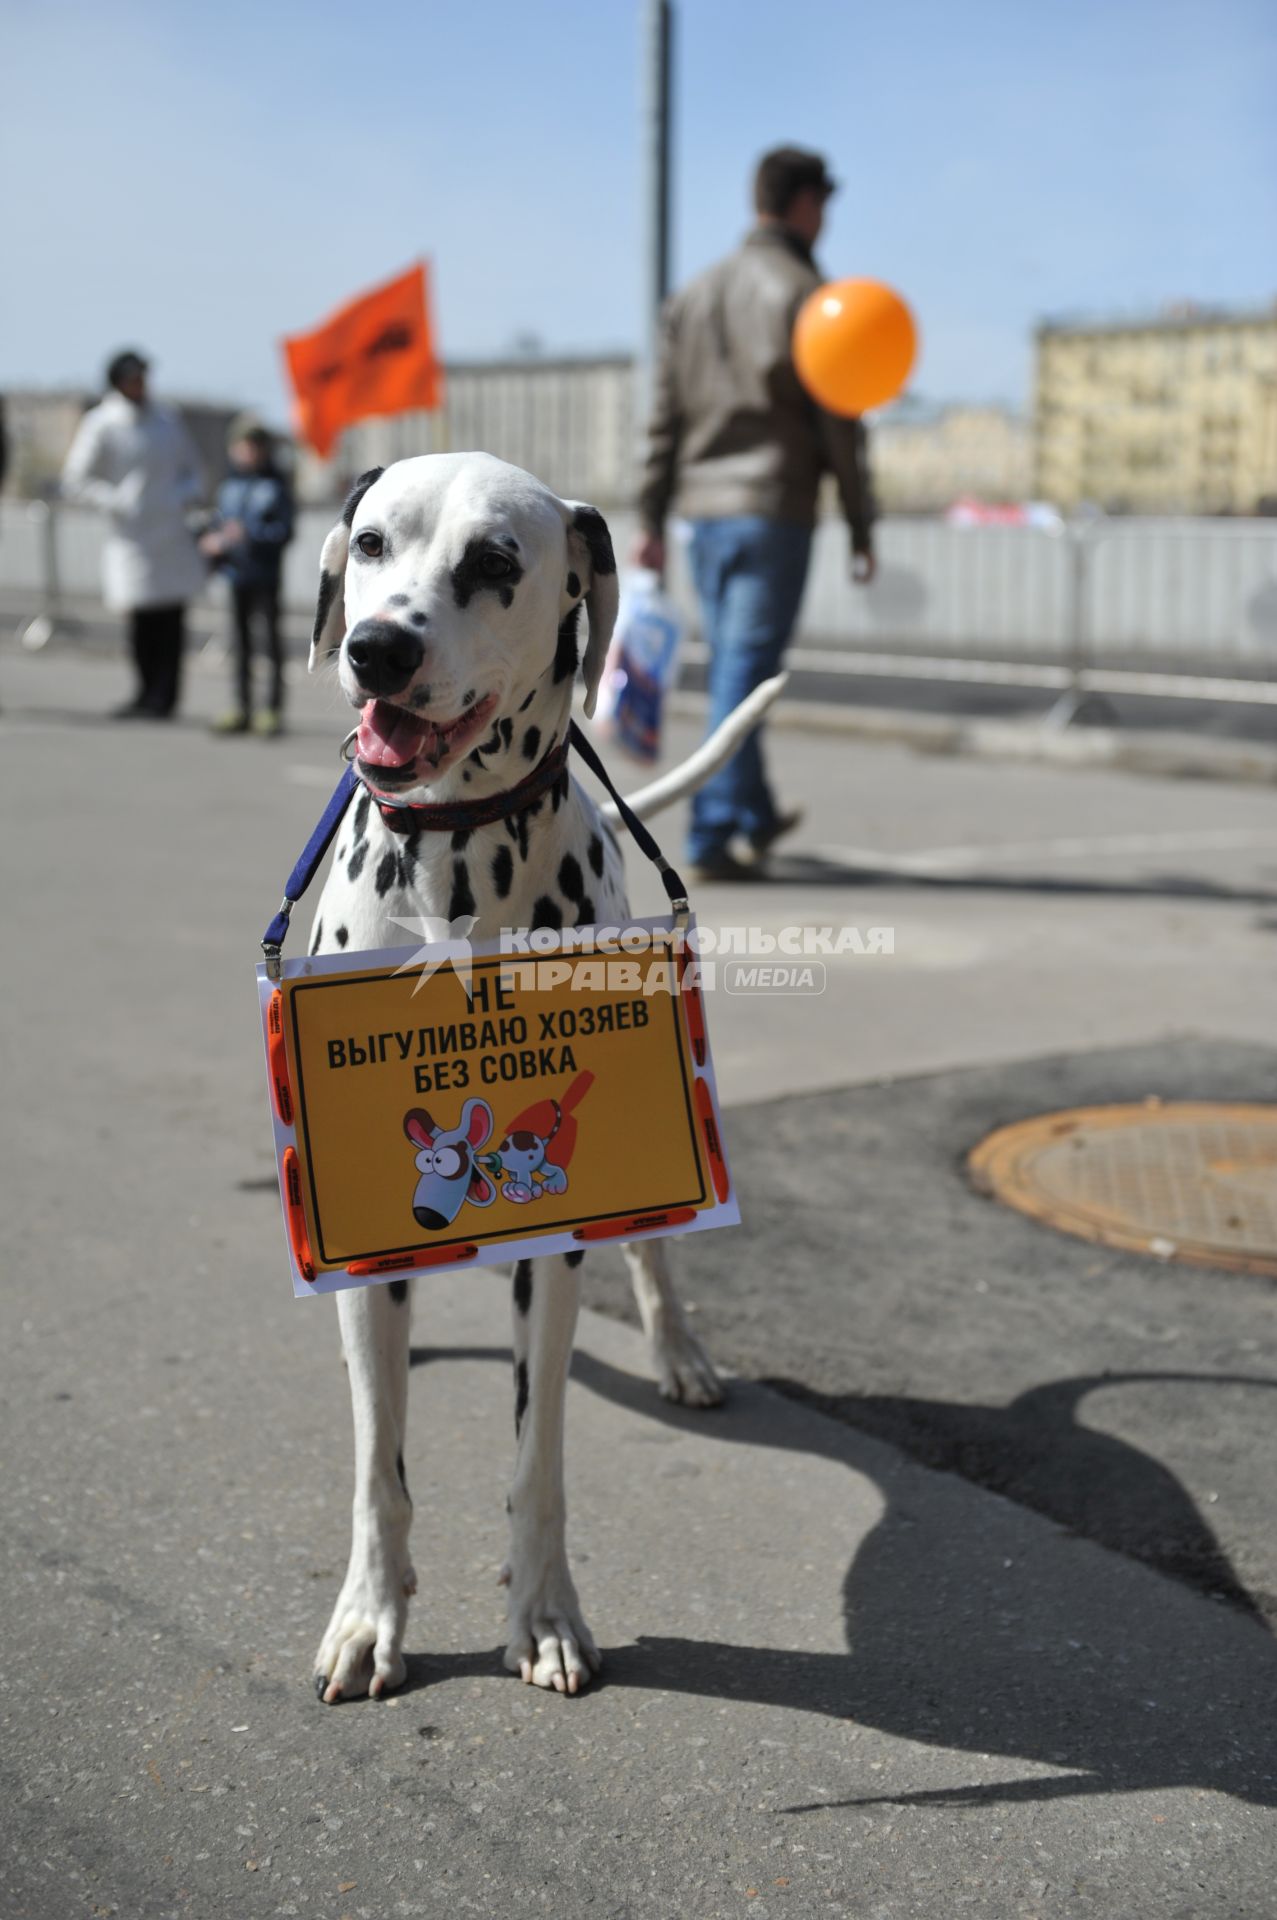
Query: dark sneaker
{"type": "Point", "coordinates": [721, 866]}
{"type": "Point", "coordinates": [761, 844]}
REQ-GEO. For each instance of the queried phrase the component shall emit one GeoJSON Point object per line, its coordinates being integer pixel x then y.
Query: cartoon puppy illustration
{"type": "Point", "coordinates": [447, 1164]}
{"type": "Point", "coordinates": [524, 1156]}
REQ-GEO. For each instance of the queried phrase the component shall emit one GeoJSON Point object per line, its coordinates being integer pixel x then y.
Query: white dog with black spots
{"type": "Point", "coordinates": [451, 594]}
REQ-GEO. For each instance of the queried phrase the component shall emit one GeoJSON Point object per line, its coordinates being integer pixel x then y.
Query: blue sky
{"type": "Point", "coordinates": [202, 179]}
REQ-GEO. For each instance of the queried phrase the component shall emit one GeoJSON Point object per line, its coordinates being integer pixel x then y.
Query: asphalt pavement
{"type": "Point", "coordinates": [1129, 1399]}
{"type": "Point", "coordinates": [970, 1616]}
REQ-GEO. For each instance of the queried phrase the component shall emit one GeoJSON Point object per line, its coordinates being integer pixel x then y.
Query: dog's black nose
{"type": "Point", "coordinates": [385, 656]}
{"type": "Point", "coordinates": [427, 1217]}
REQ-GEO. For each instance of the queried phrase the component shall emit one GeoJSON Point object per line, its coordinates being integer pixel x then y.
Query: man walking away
{"type": "Point", "coordinates": [135, 460]}
{"type": "Point", "coordinates": [255, 512]}
{"type": "Point", "coordinates": [737, 446]}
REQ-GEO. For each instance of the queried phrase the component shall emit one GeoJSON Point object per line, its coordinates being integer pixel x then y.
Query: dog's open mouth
{"type": "Point", "coordinates": [398, 745]}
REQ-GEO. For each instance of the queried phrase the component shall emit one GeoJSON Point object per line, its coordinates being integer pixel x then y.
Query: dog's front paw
{"type": "Point", "coordinates": [362, 1651]}
{"type": "Point", "coordinates": [549, 1645]}
{"type": "Point", "coordinates": [684, 1371]}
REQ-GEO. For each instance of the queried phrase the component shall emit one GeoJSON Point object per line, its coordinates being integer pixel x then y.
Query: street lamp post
{"type": "Point", "coordinates": [659, 63]}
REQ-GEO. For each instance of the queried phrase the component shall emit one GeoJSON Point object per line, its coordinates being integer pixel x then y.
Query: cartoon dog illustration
{"type": "Point", "coordinates": [531, 1170]}
{"type": "Point", "coordinates": [448, 1164]}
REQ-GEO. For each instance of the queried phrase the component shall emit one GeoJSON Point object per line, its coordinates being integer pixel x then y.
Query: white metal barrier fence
{"type": "Point", "coordinates": [1163, 606]}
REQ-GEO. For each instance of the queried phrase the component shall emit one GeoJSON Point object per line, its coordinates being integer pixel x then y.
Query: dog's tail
{"type": "Point", "coordinates": [697, 768]}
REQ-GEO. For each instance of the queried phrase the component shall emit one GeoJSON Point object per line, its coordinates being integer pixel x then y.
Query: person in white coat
{"type": "Point", "coordinates": [136, 461]}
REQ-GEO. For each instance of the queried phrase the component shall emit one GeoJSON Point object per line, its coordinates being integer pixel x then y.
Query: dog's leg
{"type": "Point", "coordinates": [362, 1651]}
{"type": "Point", "coordinates": [549, 1643]}
{"type": "Point", "coordinates": [684, 1371]}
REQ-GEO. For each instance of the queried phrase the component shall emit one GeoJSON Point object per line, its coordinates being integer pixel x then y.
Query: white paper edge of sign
{"type": "Point", "coordinates": [723, 1213]}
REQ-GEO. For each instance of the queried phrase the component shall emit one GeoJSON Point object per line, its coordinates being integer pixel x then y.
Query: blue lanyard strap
{"type": "Point", "coordinates": [322, 838]}
{"type": "Point", "coordinates": [307, 867]}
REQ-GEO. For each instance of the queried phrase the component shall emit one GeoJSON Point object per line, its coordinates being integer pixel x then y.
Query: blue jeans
{"type": "Point", "coordinates": [749, 574]}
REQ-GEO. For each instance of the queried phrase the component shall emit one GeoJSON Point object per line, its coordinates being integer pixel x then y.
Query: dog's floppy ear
{"type": "Point", "coordinates": [330, 608]}
{"type": "Point", "coordinates": [476, 1122]}
{"type": "Point", "coordinates": [592, 565]}
{"type": "Point", "coordinates": [419, 1127]}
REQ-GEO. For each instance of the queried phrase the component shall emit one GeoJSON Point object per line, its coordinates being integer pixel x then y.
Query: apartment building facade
{"type": "Point", "coordinates": [1173, 414]}
{"type": "Point", "coordinates": [927, 457]}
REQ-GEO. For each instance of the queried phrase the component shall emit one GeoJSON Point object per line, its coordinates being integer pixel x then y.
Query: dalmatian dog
{"type": "Point", "coordinates": [451, 595]}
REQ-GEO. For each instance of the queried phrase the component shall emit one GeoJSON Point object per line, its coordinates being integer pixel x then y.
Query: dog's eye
{"type": "Point", "coordinates": [371, 545]}
{"type": "Point", "coordinates": [496, 566]}
{"type": "Point", "coordinates": [448, 1162]}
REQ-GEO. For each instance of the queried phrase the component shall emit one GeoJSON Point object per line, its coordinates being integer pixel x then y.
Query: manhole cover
{"type": "Point", "coordinates": [1185, 1180]}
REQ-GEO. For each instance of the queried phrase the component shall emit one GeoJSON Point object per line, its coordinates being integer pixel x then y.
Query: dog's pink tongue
{"type": "Point", "coordinates": [389, 737]}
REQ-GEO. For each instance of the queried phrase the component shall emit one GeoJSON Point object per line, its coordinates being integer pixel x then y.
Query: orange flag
{"type": "Point", "coordinates": [376, 355]}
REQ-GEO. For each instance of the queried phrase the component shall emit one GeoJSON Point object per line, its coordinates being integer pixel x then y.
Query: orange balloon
{"type": "Point", "coordinates": [854, 345]}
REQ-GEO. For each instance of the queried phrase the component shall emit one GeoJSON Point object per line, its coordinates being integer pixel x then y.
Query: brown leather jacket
{"type": "Point", "coordinates": [732, 429]}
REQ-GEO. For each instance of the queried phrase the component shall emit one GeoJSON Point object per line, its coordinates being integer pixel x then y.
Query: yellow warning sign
{"type": "Point", "coordinates": [445, 1115]}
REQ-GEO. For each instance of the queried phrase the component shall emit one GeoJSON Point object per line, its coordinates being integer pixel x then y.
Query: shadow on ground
{"type": "Point", "coordinates": [815, 870]}
{"type": "Point", "coordinates": [954, 1643]}
{"type": "Point", "coordinates": [1037, 1452]}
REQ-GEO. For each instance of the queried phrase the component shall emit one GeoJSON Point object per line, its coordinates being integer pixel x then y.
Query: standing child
{"type": "Point", "coordinates": [255, 524]}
